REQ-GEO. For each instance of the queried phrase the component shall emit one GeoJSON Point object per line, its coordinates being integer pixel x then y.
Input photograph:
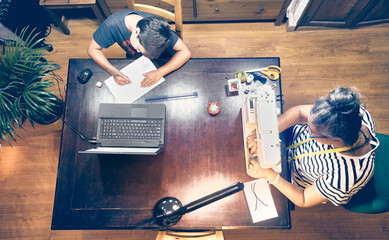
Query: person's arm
{"type": "Point", "coordinates": [181, 56]}
{"type": "Point", "coordinates": [95, 52]}
{"type": "Point", "coordinates": [301, 197]}
{"type": "Point", "coordinates": [293, 116]}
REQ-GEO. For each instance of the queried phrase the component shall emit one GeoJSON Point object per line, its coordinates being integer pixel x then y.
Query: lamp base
{"type": "Point", "coordinates": [163, 209]}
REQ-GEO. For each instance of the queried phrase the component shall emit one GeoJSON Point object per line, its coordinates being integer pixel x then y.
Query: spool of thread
{"type": "Point", "coordinates": [242, 76]}
{"type": "Point", "coordinates": [247, 89]}
{"type": "Point", "coordinates": [250, 79]}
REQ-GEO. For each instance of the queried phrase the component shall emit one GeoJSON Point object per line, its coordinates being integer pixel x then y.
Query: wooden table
{"type": "Point", "coordinates": [202, 154]}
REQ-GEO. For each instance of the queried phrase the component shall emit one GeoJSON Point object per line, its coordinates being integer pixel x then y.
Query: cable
{"type": "Point", "coordinates": [80, 134]}
{"type": "Point", "coordinates": [58, 79]}
{"type": "Point", "coordinates": [279, 98]}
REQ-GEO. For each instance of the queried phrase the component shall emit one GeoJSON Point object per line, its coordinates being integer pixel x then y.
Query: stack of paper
{"type": "Point", "coordinates": [131, 92]}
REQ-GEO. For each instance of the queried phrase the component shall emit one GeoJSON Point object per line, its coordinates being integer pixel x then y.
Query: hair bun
{"type": "Point", "coordinates": [344, 100]}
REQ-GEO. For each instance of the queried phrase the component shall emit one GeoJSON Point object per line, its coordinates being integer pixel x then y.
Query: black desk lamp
{"type": "Point", "coordinates": [169, 210]}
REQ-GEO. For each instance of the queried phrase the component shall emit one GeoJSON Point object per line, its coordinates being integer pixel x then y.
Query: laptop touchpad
{"type": "Point", "coordinates": [139, 112]}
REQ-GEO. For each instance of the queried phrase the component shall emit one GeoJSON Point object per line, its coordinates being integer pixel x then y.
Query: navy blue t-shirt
{"type": "Point", "coordinates": [113, 30]}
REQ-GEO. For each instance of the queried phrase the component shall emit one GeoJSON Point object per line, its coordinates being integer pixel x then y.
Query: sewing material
{"type": "Point", "coordinates": [241, 75]}
{"type": "Point", "coordinates": [213, 108]}
{"type": "Point", "coordinates": [250, 78]}
{"type": "Point", "coordinates": [272, 72]}
{"type": "Point", "coordinates": [247, 89]}
{"type": "Point", "coordinates": [333, 150]}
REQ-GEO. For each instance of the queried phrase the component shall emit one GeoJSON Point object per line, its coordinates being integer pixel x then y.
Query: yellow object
{"type": "Point", "coordinates": [241, 75]}
{"type": "Point", "coordinates": [342, 149]}
{"type": "Point", "coordinates": [272, 72]}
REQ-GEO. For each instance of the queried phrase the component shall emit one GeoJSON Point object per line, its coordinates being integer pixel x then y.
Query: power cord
{"type": "Point", "coordinates": [80, 134]}
{"type": "Point", "coordinates": [58, 79]}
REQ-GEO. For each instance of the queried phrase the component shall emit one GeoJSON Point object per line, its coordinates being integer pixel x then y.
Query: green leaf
{"type": "Point", "coordinates": [24, 84]}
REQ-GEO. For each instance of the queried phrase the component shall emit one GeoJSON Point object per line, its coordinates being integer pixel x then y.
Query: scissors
{"type": "Point", "coordinates": [272, 72]}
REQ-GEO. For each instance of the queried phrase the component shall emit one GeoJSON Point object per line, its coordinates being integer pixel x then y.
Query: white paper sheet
{"type": "Point", "coordinates": [131, 92]}
{"type": "Point", "coordinates": [259, 200]}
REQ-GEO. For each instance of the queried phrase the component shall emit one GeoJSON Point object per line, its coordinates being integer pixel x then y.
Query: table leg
{"type": "Point", "coordinates": [60, 22]}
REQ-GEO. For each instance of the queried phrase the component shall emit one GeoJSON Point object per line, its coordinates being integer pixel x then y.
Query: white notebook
{"type": "Point", "coordinates": [131, 92]}
{"type": "Point", "coordinates": [259, 200]}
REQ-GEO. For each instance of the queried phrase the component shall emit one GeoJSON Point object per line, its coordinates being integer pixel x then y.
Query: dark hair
{"type": "Point", "coordinates": [154, 35]}
{"type": "Point", "coordinates": [338, 114]}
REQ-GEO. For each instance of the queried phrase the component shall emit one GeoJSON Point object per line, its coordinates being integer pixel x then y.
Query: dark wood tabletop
{"type": "Point", "coordinates": [202, 154]}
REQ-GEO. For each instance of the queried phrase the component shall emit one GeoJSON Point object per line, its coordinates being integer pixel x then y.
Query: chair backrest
{"type": "Point", "coordinates": [176, 17]}
{"type": "Point", "coordinates": [374, 197]}
{"type": "Point", "coordinates": [190, 235]}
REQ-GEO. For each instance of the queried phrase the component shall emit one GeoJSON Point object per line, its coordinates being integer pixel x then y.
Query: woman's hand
{"type": "Point", "coordinates": [252, 143]}
{"type": "Point", "coordinates": [256, 171]}
{"type": "Point", "coordinates": [151, 78]}
{"type": "Point", "coordinates": [121, 81]}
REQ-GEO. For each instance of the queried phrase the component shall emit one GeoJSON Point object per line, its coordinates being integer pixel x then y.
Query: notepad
{"type": "Point", "coordinates": [259, 200]}
{"type": "Point", "coordinates": [133, 91]}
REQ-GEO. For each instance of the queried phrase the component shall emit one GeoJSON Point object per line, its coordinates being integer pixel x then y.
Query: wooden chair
{"type": "Point", "coordinates": [99, 8]}
{"type": "Point", "coordinates": [175, 16]}
{"type": "Point", "coordinates": [190, 235]}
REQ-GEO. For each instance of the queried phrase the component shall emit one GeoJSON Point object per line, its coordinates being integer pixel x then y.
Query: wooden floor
{"type": "Point", "coordinates": [313, 62]}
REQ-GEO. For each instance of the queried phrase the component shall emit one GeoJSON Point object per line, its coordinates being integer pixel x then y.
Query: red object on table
{"type": "Point", "coordinates": [213, 108]}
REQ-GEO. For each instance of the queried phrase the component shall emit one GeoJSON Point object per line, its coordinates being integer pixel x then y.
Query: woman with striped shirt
{"type": "Point", "coordinates": [331, 153]}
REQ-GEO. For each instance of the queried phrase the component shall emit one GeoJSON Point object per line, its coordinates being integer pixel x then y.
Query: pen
{"type": "Point", "coordinates": [116, 73]}
{"type": "Point", "coordinates": [171, 97]}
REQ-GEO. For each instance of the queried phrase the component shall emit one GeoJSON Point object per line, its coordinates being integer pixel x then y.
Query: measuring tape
{"type": "Point", "coordinates": [342, 149]}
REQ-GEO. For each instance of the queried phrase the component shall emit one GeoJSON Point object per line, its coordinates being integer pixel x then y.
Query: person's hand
{"type": "Point", "coordinates": [256, 171]}
{"type": "Point", "coordinates": [252, 143]}
{"type": "Point", "coordinates": [150, 78]}
{"type": "Point", "coordinates": [121, 81]}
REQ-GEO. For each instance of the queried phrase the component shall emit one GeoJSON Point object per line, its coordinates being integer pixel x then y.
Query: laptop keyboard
{"type": "Point", "coordinates": [131, 129]}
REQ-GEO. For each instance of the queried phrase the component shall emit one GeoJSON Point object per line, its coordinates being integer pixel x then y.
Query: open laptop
{"type": "Point", "coordinates": [130, 129]}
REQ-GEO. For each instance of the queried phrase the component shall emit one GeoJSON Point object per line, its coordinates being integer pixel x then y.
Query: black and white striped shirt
{"type": "Point", "coordinates": [336, 176]}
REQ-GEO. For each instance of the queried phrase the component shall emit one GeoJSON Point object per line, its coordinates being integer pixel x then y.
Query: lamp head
{"type": "Point", "coordinates": [163, 209]}
{"type": "Point", "coordinates": [169, 210]}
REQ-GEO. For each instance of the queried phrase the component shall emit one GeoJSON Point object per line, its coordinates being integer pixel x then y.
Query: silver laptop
{"type": "Point", "coordinates": [130, 129]}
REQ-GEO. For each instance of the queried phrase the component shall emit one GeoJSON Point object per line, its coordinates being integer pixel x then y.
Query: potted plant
{"type": "Point", "coordinates": [26, 83]}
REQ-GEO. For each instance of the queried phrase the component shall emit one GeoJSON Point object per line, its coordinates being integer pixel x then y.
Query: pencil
{"type": "Point", "coordinates": [117, 73]}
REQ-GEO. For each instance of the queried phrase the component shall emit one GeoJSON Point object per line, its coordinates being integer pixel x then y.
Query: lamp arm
{"type": "Point", "coordinates": [210, 198]}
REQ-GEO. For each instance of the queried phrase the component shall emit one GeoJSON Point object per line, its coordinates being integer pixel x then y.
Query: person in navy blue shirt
{"type": "Point", "coordinates": [138, 33]}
